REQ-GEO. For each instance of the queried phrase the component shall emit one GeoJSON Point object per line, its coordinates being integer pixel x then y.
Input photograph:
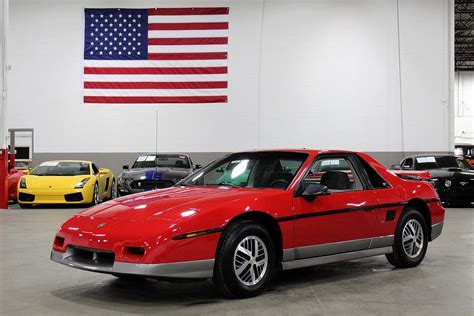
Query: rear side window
{"type": "Point", "coordinates": [337, 173]}
{"type": "Point", "coordinates": [95, 169]}
{"type": "Point", "coordinates": [408, 164]}
{"type": "Point", "coordinates": [375, 180]}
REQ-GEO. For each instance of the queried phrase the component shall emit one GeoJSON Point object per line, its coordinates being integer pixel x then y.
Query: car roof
{"type": "Point", "coordinates": [67, 160]}
{"type": "Point", "coordinates": [163, 154]}
{"type": "Point", "coordinates": [300, 150]}
{"type": "Point", "coordinates": [430, 155]}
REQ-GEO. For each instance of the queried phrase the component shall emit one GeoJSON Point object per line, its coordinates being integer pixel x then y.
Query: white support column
{"type": "Point", "coordinates": [4, 70]}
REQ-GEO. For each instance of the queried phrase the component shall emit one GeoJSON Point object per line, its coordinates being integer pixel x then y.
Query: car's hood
{"type": "Point", "coordinates": [450, 172]}
{"type": "Point", "coordinates": [175, 203]}
{"type": "Point", "coordinates": [154, 173]}
{"type": "Point", "coordinates": [53, 182]}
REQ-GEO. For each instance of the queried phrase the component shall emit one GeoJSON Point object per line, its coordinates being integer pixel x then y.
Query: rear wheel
{"type": "Point", "coordinates": [245, 260]}
{"type": "Point", "coordinates": [411, 240]}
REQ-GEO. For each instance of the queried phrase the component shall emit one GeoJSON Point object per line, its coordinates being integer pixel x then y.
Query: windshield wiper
{"type": "Point", "coordinates": [228, 184]}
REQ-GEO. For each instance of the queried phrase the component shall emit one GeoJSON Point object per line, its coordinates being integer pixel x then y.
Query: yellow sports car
{"type": "Point", "coordinates": [66, 182]}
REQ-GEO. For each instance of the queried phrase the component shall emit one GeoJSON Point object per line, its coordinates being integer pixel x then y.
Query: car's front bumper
{"type": "Point", "coordinates": [457, 194]}
{"type": "Point", "coordinates": [138, 186]}
{"type": "Point", "coordinates": [56, 196]}
{"type": "Point", "coordinates": [197, 269]}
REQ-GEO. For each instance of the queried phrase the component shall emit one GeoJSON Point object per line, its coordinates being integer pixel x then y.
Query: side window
{"type": "Point", "coordinates": [95, 170]}
{"type": "Point", "coordinates": [375, 180]}
{"type": "Point", "coordinates": [407, 164]}
{"type": "Point", "coordinates": [337, 173]}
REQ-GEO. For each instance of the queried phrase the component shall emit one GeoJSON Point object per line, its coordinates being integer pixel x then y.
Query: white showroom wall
{"type": "Point", "coordinates": [370, 75]}
{"type": "Point", "coordinates": [464, 107]}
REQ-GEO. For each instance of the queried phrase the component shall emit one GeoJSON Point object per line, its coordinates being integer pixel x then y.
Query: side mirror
{"type": "Point", "coordinates": [125, 167]}
{"type": "Point", "coordinates": [312, 190]}
{"type": "Point", "coordinates": [395, 167]}
{"type": "Point", "coordinates": [197, 167]}
{"type": "Point", "coordinates": [103, 171]}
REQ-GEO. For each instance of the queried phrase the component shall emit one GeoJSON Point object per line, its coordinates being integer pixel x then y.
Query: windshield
{"type": "Point", "coordinates": [61, 168]}
{"type": "Point", "coordinates": [21, 164]}
{"type": "Point", "coordinates": [426, 163]}
{"type": "Point", "coordinates": [464, 151]}
{"type": "Point", "coordinates": [250, 170]}
{"type": "Point", "coordinates": [161, 161]}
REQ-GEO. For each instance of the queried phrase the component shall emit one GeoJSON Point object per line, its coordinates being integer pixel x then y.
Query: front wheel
{"type": "Point", "coordinates": [245, 260]}
{"type": "Point", "coordinates": [113, 190]}
{"type": "Point", "coordinates": [95, 195]}
{"type": "Point", "coordinates": [411, 240]}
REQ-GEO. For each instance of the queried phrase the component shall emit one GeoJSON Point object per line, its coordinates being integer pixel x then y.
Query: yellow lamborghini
{"type": "Point", "coordinates": [66, 182]}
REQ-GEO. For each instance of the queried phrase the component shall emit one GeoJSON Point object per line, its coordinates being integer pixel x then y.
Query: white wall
{"type": "Point", "coordinates": [3, 39]}
{"type": "Point", "coordinates": [326, 74]}
{"type": "Point", "coordinates": [464, 107]}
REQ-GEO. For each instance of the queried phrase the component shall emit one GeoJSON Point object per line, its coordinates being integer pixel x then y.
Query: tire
{"type": "Point", "coordinates": [113, 190]}
{"type": "Point", "coordinates": [233, 254]}
{"type": "Point", "coordinates": [25, 206]}
{"type": "Point", "coordinates": [410, 224]}
{"type": "Point", "coordinates": [95, 195]}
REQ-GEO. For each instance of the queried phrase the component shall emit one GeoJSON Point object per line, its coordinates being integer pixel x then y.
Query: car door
{"type": "Point", "coordinates": [342, 221]}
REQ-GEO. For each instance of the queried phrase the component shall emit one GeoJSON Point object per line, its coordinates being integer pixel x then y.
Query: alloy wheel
{"type": "Point", "coordinates": [114, 190]}
{"type": "Point", "coordinates": [412, 238]}
{"type": "Point", "coordinates": [250, 260]}
{"type": "Point", "coordinates": [96, 195]}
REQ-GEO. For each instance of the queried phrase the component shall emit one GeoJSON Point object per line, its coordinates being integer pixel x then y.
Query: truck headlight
{"type": "Point", "coordinates": [81, 184]}
{"type": "Point", "coordinates": [22, 183]}
{"type": "Point", "coordinates": [447, 183]}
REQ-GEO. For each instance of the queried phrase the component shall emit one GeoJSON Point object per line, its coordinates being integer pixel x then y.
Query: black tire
{"type": "Point", "coordinates": [113, 190]}
{"type": "Point", "coordinates": [25, 206]}
{"type": "Point", "coordinates": [400, 258]}
{"type": "Point", "coordinates": [225, 277]}
{"type": "Point", "coordinates": [95, 194]}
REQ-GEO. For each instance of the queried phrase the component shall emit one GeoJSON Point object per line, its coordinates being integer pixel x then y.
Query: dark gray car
{"type": "Point", "coordinates": [154, 171]}
{"type": "Point", "coordinates": [453, 176]}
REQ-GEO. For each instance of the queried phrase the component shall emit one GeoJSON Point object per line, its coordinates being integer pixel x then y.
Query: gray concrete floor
{"type": "Point", "coordinates": [31, 284]}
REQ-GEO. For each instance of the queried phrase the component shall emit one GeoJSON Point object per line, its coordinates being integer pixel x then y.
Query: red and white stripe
{"type": "Point", "coordinates": [187, 62]}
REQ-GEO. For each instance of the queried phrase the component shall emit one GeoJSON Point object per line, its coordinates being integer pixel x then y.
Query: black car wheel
{"type": "Point", "coordinates": [245, 260]}
{"type": "Point", "coordinates": [411, 240]}
{"type": "Point", "coordinates": [95, 195]}
{"type": "Point", "coordinates": [114, 190]}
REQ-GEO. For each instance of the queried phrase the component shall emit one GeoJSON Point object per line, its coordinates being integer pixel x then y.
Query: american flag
{"type": "Point", "coordinates": [159, 55]}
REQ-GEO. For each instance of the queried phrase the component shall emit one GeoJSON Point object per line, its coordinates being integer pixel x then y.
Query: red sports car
{"type": "Point", "coordinates": [240, 224]}
{"type": "Point", "coordinates": [14, 176]}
